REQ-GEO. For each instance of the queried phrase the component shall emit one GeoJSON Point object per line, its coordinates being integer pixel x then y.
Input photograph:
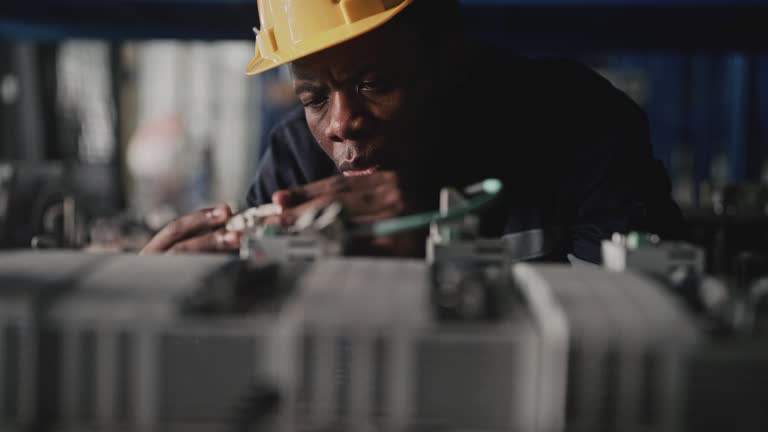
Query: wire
{"type": "Point", "coordinates": [487, 191]}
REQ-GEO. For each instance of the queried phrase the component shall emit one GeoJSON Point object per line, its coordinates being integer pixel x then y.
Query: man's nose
{"type": "Point", "coordinates": [348, 118]}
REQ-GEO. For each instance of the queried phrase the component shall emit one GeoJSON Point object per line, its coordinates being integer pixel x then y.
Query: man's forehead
{"type": "Point", "coordinates": [338, 72]}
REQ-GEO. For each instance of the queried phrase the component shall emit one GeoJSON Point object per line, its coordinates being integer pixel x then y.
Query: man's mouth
{"type": "Point", "coordinates": [358, 167]}
{"type": "Point", "coordinates": [360, 172]}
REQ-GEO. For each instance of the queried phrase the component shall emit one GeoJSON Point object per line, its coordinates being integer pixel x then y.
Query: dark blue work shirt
{"type": "Point", "coordinates": [574, 154]}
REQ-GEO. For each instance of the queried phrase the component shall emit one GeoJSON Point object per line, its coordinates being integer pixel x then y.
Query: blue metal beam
{"type": "Point", "coordinates": [533, 24]}
{"type": "Point", "coordinates": [615, 3]}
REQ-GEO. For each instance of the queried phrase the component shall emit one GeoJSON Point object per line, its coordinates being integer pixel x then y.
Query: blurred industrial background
{"type": "Point", "coordinates": [118, 115]}
{"type": "Point", "coordinates": [140, 109]}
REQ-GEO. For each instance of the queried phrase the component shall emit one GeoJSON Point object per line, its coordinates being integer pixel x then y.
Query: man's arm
{"type": "Point", "coordinates": [292, 159]}
{"type": "Point", "coordinates": [620, 186]}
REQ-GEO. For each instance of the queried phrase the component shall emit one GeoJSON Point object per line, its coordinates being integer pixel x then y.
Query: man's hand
{"type": "Point", "coordinates": [365, 199]}
{"type": "Point", "coordinates": [200, 231]}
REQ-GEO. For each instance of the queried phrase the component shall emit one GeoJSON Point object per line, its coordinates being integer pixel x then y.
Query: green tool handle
{"type": "Point", "coordinates": [486, 191]}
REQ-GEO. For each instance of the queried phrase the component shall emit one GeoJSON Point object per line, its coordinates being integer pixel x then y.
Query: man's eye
{"type": "Point", "coordinates": [315, 103]}
{"type": "Point", "coordinates": [372, 85]}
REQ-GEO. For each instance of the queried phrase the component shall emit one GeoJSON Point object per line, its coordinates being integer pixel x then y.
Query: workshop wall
{"type": "Point", "coordinates": [195, 124]}
{"type": "Point", "coordinates": [708, 114]}
{"type": "Point", "coordinates": [174, 125]}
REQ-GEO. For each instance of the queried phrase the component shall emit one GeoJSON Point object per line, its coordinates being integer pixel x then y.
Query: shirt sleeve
{"type": "Point", "coordinates": [292, 158]}
{"type": "Point", "coordinates": [620, 186]}
{"type": "Point", "coordinates": [265, 184]}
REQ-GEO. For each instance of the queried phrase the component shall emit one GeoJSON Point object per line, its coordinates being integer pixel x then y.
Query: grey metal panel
{"type": "Point", "coordinates": [31, 273]}
{"type": "Point", "coordinates": [133, 288]}
{"type": "Point", "coordinates": [369, 323]}
{"type": "Point", "coordinates": [623, 328]}
{"type": "Point", "coordinates": [10, 374]}
{"type": "Point", "coordinates": [29, 282]}
{"type": "Point", "coordinates": [470, 383]}
{"type": "Point", "coordinates": [203, 378]}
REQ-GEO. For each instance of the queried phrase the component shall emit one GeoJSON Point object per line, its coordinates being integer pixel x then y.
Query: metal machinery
{"type": "Point", "coordinates": [467, 340]}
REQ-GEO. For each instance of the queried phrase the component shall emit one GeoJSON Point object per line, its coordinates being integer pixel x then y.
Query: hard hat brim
{"type": "Point", "coordinates": [322, 41]}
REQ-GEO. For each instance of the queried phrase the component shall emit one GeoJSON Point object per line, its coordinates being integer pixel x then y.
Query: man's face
{"type": "Point", "coordinates": [365, 100]}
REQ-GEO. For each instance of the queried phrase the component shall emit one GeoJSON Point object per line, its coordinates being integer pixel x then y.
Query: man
{"type": "Point", "coordinates": [396, 105]}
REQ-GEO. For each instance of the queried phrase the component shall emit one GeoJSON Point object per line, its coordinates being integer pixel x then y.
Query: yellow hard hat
{"type": "Point", "coordinates": [292, 29]}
